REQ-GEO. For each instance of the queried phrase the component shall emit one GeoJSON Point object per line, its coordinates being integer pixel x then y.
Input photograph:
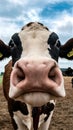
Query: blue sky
{"type": "Point", "coordinates": [57, 15]}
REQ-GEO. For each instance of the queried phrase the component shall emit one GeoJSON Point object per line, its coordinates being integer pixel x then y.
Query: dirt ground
{"type": "Point", "coordinates": [63, 114]}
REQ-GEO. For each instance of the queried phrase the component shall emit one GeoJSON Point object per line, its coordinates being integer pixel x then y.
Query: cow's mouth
{"type": "Point", "coordinates": [35, 99]}
{"type": "Point", "coordinates": [36, 94]}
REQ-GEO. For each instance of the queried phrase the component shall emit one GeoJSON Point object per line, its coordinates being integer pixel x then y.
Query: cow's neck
{"type": "Point", "coordinates": [38, 118]}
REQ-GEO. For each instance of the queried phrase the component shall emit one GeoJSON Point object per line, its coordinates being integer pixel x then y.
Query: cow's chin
{"type": "Point", "coordinates": [36, 99]}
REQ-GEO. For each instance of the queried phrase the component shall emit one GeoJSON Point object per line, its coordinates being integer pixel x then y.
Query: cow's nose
{"type": "Point", "coordinates": [37, 76]}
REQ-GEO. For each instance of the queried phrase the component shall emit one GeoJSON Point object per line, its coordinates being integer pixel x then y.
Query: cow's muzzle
{"type": "Point", "coordinates": [37, 76]}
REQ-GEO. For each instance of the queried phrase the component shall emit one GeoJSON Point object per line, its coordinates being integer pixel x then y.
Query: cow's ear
{"type": "Point", "coordinates": [66, 50]}
{"type": "Point", "coordinates": [4, 50]}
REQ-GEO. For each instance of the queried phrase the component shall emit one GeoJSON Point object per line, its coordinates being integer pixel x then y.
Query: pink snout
{"type": "Point", "coordinates": [38, 76]}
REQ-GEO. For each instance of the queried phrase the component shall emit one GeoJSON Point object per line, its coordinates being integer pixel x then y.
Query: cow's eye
{"type": "Point", "coordinates": [12, 44]}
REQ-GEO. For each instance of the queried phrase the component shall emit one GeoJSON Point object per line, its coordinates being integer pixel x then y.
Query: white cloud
{"type": "Point", "coordinates": [33, 15]}
{"type": "Point", "coordinates": [7, 28]}
{"type": "Point", "coordinates": [9, 25]}
{"type": "Point", "coordinates": [62, 24]}
{"type": "Point", "coordinates": [37, 2]}
{"type": "Point", "coordinates": [63, 21]}
{"type": "Point", "coordinates": [30, 12]}
{"type": "Point", "coordinates": [18, 2]}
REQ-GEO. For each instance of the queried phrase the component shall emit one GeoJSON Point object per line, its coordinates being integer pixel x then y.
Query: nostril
{"type": "Point", "coordinates": [18, 75]}
{"type": "Point", "coordinates": [54, 74]}
{"type": "Point", "coordinates": [51, 73]}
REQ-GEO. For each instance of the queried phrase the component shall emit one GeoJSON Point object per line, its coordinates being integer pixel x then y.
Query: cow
{"type": "Point", "coordinates": [32, 80]}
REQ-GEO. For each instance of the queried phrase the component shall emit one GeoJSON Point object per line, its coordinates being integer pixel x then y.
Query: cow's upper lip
{"type": "Point", "coordinates": [42, 91]}
{"type": "Point", "coordinates": [16, 92]}
{"type": "Point", "coordinates": [37, 90]}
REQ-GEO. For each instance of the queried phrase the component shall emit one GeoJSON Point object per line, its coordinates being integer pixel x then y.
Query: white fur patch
{"type": "Point", "coordinates": [35, 46]}
{"type": "Point", "coordinates": [23, 122]}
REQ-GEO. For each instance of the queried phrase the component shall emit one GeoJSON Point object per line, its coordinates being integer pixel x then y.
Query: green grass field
{"type": "Point", "coordinates": [1, 77]}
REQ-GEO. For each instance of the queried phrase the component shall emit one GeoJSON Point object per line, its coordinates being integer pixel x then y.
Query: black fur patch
{"type": "Point", "coordinates": [20, 106]}
{"type": "Point", "coordinates": [54, 52]}
{"type": "Point", "coordinates": [37, 111]}
{"type": "Point", "coordinates": [65, 49]}
{"type": "Point", "coordinates": [45, 109]}
{"type": "Point", "coordinates": [14, 106]}
{"type": "Point", "coordinates": [4, 50]}
{"type": "Point", "coordinates": [16, 48]}
{"type": "Point", "coordinates": [52, 39]}
{"type": "Point", "coordinates": [29, 24]}
{"type": "Point", "coordinates": [55, 44]}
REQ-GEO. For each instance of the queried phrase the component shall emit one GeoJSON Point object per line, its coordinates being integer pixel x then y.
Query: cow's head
{"type": "Point", "coordinates": [36, 76]}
